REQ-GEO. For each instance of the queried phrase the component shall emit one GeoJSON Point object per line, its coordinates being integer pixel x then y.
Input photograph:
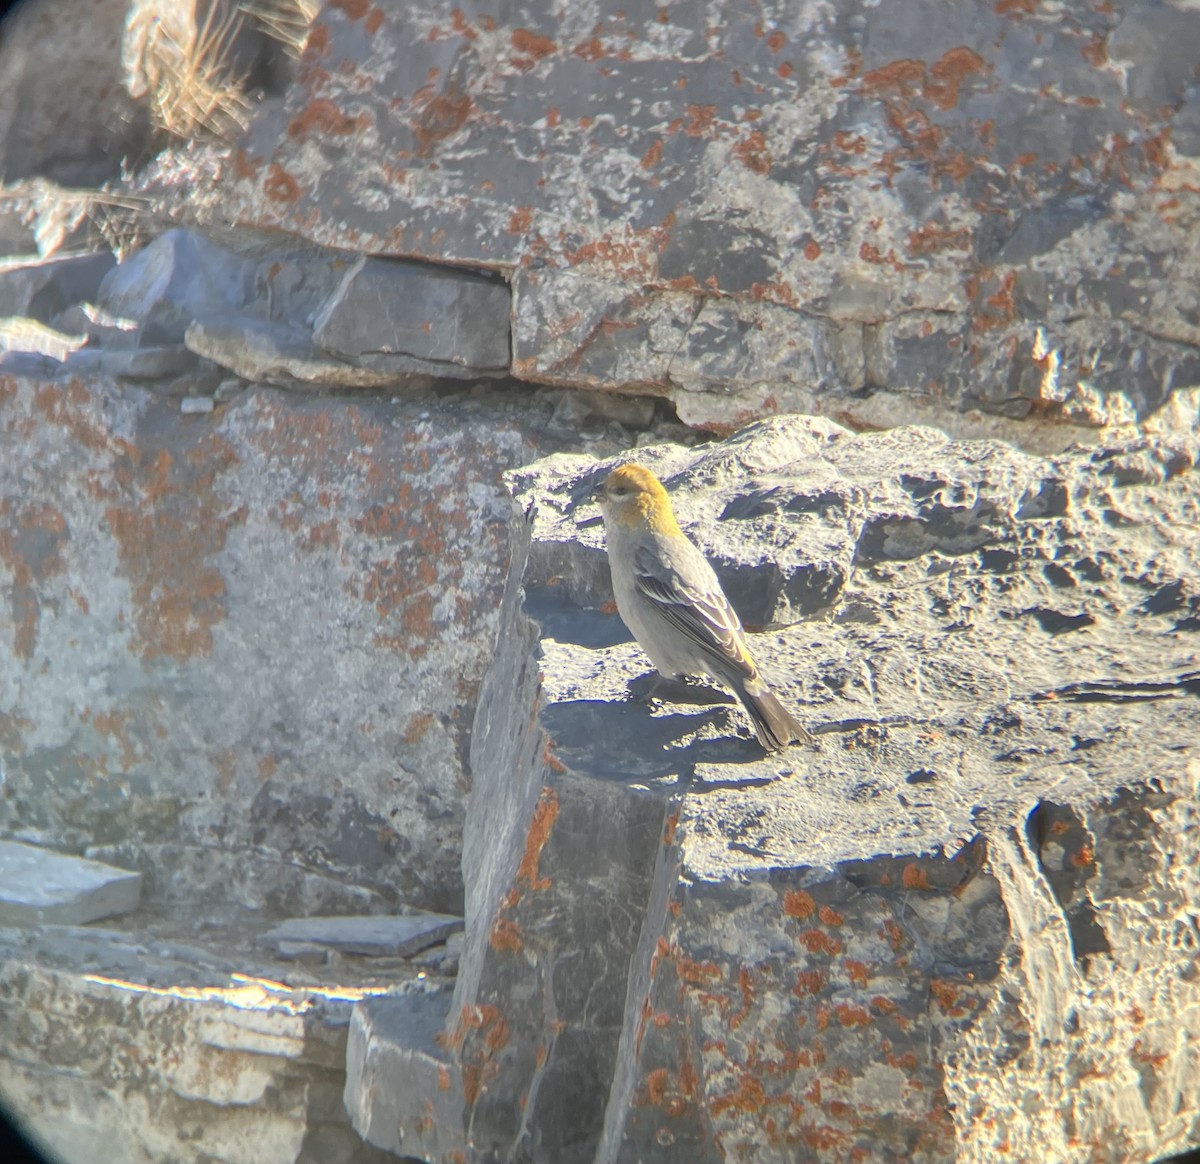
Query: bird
{"type": "Point", "coordinates": [669, 597]}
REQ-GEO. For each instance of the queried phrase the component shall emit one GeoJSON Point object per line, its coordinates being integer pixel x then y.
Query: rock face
{"type": "Point", "coordinates": [39, 886]}
{"type": "Point", "coordinates": [113, 1048]}
{"type": "Point", "coordinates": [242, 650]}
{"type": "Point", "coordinates": [787, 208]}
{"type": "Point", "coordinates": [77, 133]}
{"type": "Point", "coordinates": [293, 315]}
{"type": "Point", "coordinates": [259, 649]}
{"type": "Point", "coordinates": [963, 928]}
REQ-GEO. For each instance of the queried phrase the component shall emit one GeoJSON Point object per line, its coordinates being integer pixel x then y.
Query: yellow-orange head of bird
{"type": "Point", "coordinates": [632, 495]}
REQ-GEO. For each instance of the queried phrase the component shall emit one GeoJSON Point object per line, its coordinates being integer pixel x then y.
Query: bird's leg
{"type": "Point", "coordinates": [645, 688]}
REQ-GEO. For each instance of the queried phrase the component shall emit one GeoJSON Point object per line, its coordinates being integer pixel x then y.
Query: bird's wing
{"type": "Point", "coordinates": [701, 612]}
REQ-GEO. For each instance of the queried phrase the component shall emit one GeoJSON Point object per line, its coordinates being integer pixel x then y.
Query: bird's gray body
{"type": "Point", "coordinates": [652, 598]}
{"type": "Point", "coordinates": [670, 598]}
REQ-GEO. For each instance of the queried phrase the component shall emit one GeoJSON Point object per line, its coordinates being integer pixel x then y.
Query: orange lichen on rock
{"type": "Point", "coordinates": [497, 1034]}
{"type": "Point", "coordinates": [321, 117]}
{"type": "Point", "coordinates": [819, 942]}
{"type": "Point", "coordinates": [520, 220]}
{"type": "Point", "coordinates": [852, 1016]}
{"type": "Point", "coordinates": [1001, 303]}
{"type": "Point", "coordinates": [700, 119]}
{"type": "Point", "coordinates": [245, 166]}
{"type": "Point", "coordinates": [439, 116]}
{"type": "Point", "coordinates": [532, 45]}
{"type": "Point", "coordinates": [29, 569]}
{"type": "Point", "coordinates": [748, 1098]}
{"type": "Point", "coordinates": [932, 239]}
{"type": "Point", "coordinates": [752, 152]}
{"type": "Point", "coordinates": [472, 1081]}
{"type": "Point", "coordinates": [529, 48]}
{"type": "Point", "coordinates": [746, 986]}
{"type": "Point", "coordinates": [506, 936]}
{"type": "Point", "coordinates": [656, 1085]}
{"type": "Point", "coordinates": [798, 903]}
{"type": "Point", "coordinates": [808, 982]}
{"type": "Point", "coordinates": [550, 759]}
{"type": "Point", "coordinates": [939, 82]}
{"type": "Point", "coordinates": [830, 916]}
{"type": "Point", "coordinates": [859, 975]}
{"type": "Point", "coordinates": [113, 725]}
{"type": "Point", "coordinates": [544, 816]}
{"type": "Point", "coordinates": [417, 727]}
{"type": "Point", "coordinates": [697, 973]}
{"type": "Point", "coordinates": [668, 838]}
{"type": "Point", "coordinates": [280, 186]}
{"type": "Point", "coordinates": [948, 74]}
{"type": "Point", "coordinates": [165, 539]}
{"type": "Point", "coordinates": [945, 993]}
{"type": "Point", "coordinates": [905, 76]}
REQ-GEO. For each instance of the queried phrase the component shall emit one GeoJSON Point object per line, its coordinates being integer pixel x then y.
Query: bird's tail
{"type": "Point", "coordinates": [774, 725]}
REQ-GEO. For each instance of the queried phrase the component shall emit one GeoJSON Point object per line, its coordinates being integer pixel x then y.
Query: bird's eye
{"type": "Point", "coordinates": [620, 491]}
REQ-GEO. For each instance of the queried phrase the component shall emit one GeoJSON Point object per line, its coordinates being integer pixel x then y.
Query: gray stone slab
{"type": "Point", "coordinates": [389, 307]}
{"type": "Point", "coordinates": [393, 1052]}
{"type": "Point", "coordinates": [151, 363]}
{"type": "Point", "coordinates": [178, 277]}
{"type": "Point", "coordinates": [379, 936]}
{"type": "Point", "coordinates": [310, 952]}
{"type": "Point", "coordinates": [41, 288]}
{"type": "Point", "coordinates": [284, 355]}
{"type": "Point", "coordinates": [68, 114]}
{"type": "Point", "coordinates": [38, 885]}
{"type": "Point", "coordinates": [102, 328]}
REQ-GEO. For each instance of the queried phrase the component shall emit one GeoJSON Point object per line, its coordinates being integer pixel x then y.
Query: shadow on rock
{"type": "Point", "coordinates": [629, 742]}
{"type": "Point", "coordinates": [694, 692]}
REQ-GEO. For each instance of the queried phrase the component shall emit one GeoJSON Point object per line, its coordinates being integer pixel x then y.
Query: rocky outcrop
{"type": "Point", "coordinates": [281, 652]}
{"type": "Point", "coordinates": [242, 649]}
{"type": "Point", "coordinates": [964, 927]}
{"type": "Point", "coordinates": [784, 209]}
{"type": "Point", "coordinates": [136, 1047]}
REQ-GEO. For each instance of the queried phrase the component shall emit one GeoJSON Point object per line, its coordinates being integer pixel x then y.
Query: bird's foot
{"type": "Point", "coordinates": [645, 689]}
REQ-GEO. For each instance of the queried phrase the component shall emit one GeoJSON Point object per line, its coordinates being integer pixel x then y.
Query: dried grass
{"type": "Point", "coordinates": [123, 223]}
{"type": "Point", "coordinates": [195, 90]}
{"type": "Point", "coordinates": [286, 21]}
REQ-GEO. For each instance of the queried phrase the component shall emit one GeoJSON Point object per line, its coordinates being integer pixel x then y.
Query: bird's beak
{"type": "Point", "coordinates": [590, 495]}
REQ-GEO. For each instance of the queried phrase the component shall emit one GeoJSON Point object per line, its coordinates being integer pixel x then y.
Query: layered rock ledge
{"type": "Point", "coordinates": [965, 928]}
{"type": "Point", "coordinates": [861, 210]}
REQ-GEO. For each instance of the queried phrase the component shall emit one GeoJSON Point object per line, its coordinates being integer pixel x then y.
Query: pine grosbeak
{"type": "Point", "coordinates": [669, 597]}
